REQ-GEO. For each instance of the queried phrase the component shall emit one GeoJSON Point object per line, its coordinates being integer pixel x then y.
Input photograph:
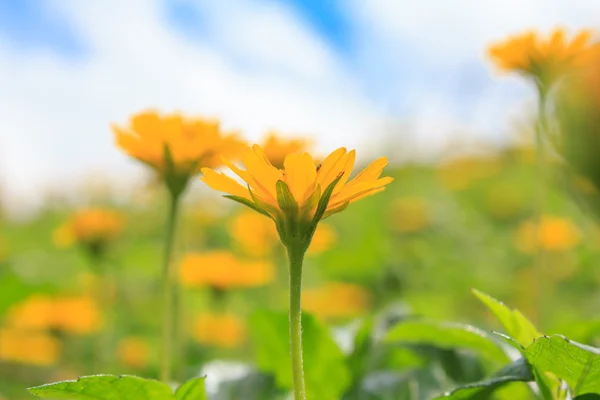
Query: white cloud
{"type": "Point", "coordinates": [55, 112]}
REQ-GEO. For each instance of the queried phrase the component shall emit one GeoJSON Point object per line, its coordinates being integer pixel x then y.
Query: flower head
{"type": "Point", "coordinates": [220, 330]}
{"type": "Point", "coordinates": [298, 196]}
{"type": "Point", "coordinates": [336, 300]}
{"type": "Point", "coordinates": [27, 347]}
{"type": "Point", "coordinates": [91, 227]}
{"type": "Point", "coordinates": [552, 234]}
{"type": "Point", "coordinates": [177, 147]}
{"type": "Point", "coordinates": [222, 270]}
{"type": "Point", "coordinates": [277, 148]}
{"type": "Point", "coordinates": [544, 60]}
{"type": "Point", "coordinates": [134, 351]}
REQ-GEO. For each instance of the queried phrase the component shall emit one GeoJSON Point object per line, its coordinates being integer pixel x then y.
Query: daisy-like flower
{"type": "Point", "coordinates": [93, 228]}
{"type": "Point", "coordinates": [276, 148]}
{"type": "Point", "coordinates": [298, 196]}
{"type": "Point", "coordinates": [175, 146]}
{"type": "Point", "coordinates": [545, 60]}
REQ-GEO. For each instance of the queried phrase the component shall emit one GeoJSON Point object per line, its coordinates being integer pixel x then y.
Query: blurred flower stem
{"type": "Point", "coordinates": [540, 206]}
{"type": "Point", "coordinates": [101, 292]}
{"type": "Point", "coordinates": [170, 293]}
{"type": "Point", "coordinates": [296, 257]}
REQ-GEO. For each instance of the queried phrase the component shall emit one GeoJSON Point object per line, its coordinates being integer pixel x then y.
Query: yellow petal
{"type": "Point", "coordinates": [147, 125]}
{"type": "Point", "coordinates": [372, 172]}
{"type": "Point", "coordinates": [358, 191]}
{"type": "Point", "coordinates": [263, 173]}
{"type": "Point", "coordinates": [223, 183]}
{"type": "Point", "coordinates": [347, 169]}
{"type": "Point", "coordinates": [331, 167]}
{"type": "Point", "coordinates": [300, 175]}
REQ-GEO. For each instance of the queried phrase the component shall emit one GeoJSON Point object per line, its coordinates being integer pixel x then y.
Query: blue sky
{"type": "Point", "coordinates": [348, 72]}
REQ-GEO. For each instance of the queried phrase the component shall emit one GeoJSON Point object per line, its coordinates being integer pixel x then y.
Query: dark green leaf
{"type": "Point", "coordinates": [191, 390]}
{"type": "Point", "coordinates": [105, 387]}
{"type": "Point", "coordinates": [447, 335]}
{"type": "Point", "coordinates": [326, 373]}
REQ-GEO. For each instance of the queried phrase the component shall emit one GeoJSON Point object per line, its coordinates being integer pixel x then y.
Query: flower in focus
{"type": "Point", "coordinates": [543, 59]}
{"type": "Point", "coordinates": [336, 300]}
{"type": "Point", "coordinates": [552, 234]}
{"type": "Point", "coordinates": [410, 214]}
{"type": "Point", "coordinates": [92, 227]}
{"type": "Point", "coordinates": [73, 314]}
{"type": "Point", "coordinates": [300, 195]}
{"type": "Point", "coordinates": [134, 352]}
{"type": "Point", "coordinates": [222, 270]}
{"type": "Point", "coordinates": [175, 146]}
{"type": "Point", "coordinates": [219, 330]}
{"type": "Point", "coordinates": [277, 148]}
{"type": "Point", "coordinates": [27, 347]}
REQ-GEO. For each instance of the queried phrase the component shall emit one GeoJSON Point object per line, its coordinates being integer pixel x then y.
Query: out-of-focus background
{"type": "Point", "coordinates": [402, 79]}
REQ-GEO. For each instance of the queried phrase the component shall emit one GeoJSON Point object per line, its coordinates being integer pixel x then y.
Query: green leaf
{"type": "Point", "coordinates": [191, 390]}
{"type": "Point", "coordinates": [286, 199]}
{"type": "Point", "coordinates": [326, 374]}
{"type": "Point", "coordinates": [248, 203]}
{"type": "Point", "coordinates": [515, 323]}
{"type": "Point", "coordinates": [447, 335]}
{"type": "Point", "coordinates": [575, 363]}
{"type": "Point", "coordinates": [518, 371]}
{"type": "Point", "coordinates": [105, 387]}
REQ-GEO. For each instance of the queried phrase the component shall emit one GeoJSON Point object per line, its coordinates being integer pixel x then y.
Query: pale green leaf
{"type": "Point", "coordinates": [447, 335]}
{"type": "Point", "coordinates": [105, 387]}
{"type": "Point", "coordinates": [191, 390]}
{"type": "Point", "coordinates": [515, 323]}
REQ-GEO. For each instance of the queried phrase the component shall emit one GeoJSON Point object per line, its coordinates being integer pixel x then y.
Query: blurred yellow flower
{"type": "Point", "coordinates": [26, 347]}
{"type": "Point", "coordinates": [72, 314]}
{"type": "Point", "coordinates": [296, 191]}
{"type": "Point", "coordinates": [460, 173]}
{"type": "Point", "coordinates": [134, 352]}
{"type": "Point", "coordinates": [277, 148]}
{"type": "Point", "coordinates": [552, 234]}
{"type": "Point", "coordinates": [542, 59]}
{"type": "Point", "coordinates": [192, 143]}
{"type": "Point", "coordinates": [222, 270]}
{"type": "Point", "coordinates": [219, 330]}
{"type": "Point", "coordinates": [257, 236]}
{"type": "Point", "coordinates": [91, 226]}
{"type": "Point", "coordinates": [410, 214]}
{"type": "Point", "coordinates": [336, 300]}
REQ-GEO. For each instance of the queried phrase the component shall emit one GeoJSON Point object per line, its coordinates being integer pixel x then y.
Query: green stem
{"type": "Point", "coordinates": [296, 258]}
{"type": "Point", "coordinates": [541, 195]}
{"type": "Point", "coordinates": [169, 295]}
{"type": "Point", "coordinates": [101, 289]}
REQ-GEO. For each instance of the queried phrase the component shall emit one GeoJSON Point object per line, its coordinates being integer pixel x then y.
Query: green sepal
{"type": "Point", "coordinates": [248, 203]}
{"type": "Point", "coordinates": [336, 210]}
{"type": "Point", "coordinates": [286, 200]}
{"type": "Point", "coordinates": [261, 204]}
{"type": "Point", "coordinates": [312, 201]}
{"type": "Point", "coordinates": [175, 180]}
{"type": "Point", "coordinates": [324, 200]}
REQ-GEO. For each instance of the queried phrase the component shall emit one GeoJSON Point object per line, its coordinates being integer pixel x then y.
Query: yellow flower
{"type": "Point", "coordinates": [91, 226]}
{"type": "Point", "coordinates": [552, 234]}
{"type": "Point", "coordinates": [544, 60]}
{"type": "Point", "coordinates": [411, 214]}
{"type": "Point", "coordinates": [177, 147]}
{"type": "Point", "coordinates": [134, 352]}
{"type": "Point", "coordinates": [26, 347]}
{"type": "Point", "coordinates": [222, 270]}
{"type": "Point", "coordinates": [301, 194]}
{"type": "Point", "coordinates": [73, 314]}
{"type": "Point", "coordinates": [276, 148]}
{"type": "Point", "coordinates": [336, 300]}
{"type": "Point", "coordinates": [220, 330]}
